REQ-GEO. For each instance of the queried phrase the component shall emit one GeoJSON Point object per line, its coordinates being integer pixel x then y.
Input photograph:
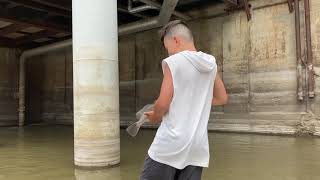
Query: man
{"type": "Point", "coordinates": [190, 86]}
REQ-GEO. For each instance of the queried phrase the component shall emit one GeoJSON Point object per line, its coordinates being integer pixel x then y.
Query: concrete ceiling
{"type": "Point", "coordinates": [30, 23]}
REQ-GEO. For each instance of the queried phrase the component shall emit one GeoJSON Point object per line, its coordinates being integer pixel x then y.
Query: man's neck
{"type": "Point", "coordinates": [190, 47]}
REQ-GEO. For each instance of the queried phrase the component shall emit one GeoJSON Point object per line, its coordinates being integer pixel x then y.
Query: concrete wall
{"type": "Point", "coordinates": [49, 96]}
{"type": "Point", "coordinates": [256, 60]}
{"type": "Point", "coordinates": [140, 72]}
{"type": "Point", "coordinates": [8, 86]}
{"type": "Point", "coordinates": [315, 28]}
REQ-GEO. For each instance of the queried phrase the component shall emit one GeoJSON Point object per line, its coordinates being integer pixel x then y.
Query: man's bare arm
{"type": "Point", "coordinates": [220, 96]}
{"type": "Point", "coordinates": [162, 104]}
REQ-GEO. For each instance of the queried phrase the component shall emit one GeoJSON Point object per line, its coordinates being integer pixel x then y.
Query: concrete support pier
{"type": "Point", "coordinates": [96, 83]}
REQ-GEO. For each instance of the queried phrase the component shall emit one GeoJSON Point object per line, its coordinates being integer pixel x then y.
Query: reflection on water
{"type": "Point", "coordinates": [102, 174]}
{"type": "Point", "coordinates": [46, 153]}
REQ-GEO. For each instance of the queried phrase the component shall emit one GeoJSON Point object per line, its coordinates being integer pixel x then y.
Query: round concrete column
{"type": "Point", "coordinates": [96, 85]}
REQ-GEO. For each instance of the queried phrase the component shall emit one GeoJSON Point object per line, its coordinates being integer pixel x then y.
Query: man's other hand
{"type": "Point", "coordinates": [153, 119]}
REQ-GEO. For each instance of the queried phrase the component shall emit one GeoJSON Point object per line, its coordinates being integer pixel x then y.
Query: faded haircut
{"type": "Point", "coordinates": [176, 28]}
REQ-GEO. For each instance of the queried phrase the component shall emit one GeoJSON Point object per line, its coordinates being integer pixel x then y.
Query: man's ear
{"type": "Point", "coordinates": [176, 40]}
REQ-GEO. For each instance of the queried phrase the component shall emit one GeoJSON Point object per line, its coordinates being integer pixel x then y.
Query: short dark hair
{"type": "Point", "coordinates": [165, 29]}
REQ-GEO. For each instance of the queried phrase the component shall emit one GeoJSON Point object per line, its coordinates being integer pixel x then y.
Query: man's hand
{"type": "Point", "coordinates": [153, 118]}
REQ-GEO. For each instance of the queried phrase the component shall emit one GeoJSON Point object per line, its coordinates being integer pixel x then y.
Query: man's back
{"type": "Point", "coordinates": [182, 138]}
{"type": "Point", "coordinates": [189, 87]}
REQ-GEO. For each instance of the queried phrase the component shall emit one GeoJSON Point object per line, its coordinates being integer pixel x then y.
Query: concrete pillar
{"type": "Point", "coordinates": [96, 84]}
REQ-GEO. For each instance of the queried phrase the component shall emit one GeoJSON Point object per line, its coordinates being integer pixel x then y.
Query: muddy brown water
{"type": "Point", "coordinates": [46, 153]}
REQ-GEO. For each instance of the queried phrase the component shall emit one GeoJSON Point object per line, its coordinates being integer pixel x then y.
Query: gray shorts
{"type": "Point", "coordinates": [154, 170]}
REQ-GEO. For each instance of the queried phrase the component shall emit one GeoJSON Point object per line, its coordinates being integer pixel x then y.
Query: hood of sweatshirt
{"type": "Point", "coordinates": [201, 61]}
